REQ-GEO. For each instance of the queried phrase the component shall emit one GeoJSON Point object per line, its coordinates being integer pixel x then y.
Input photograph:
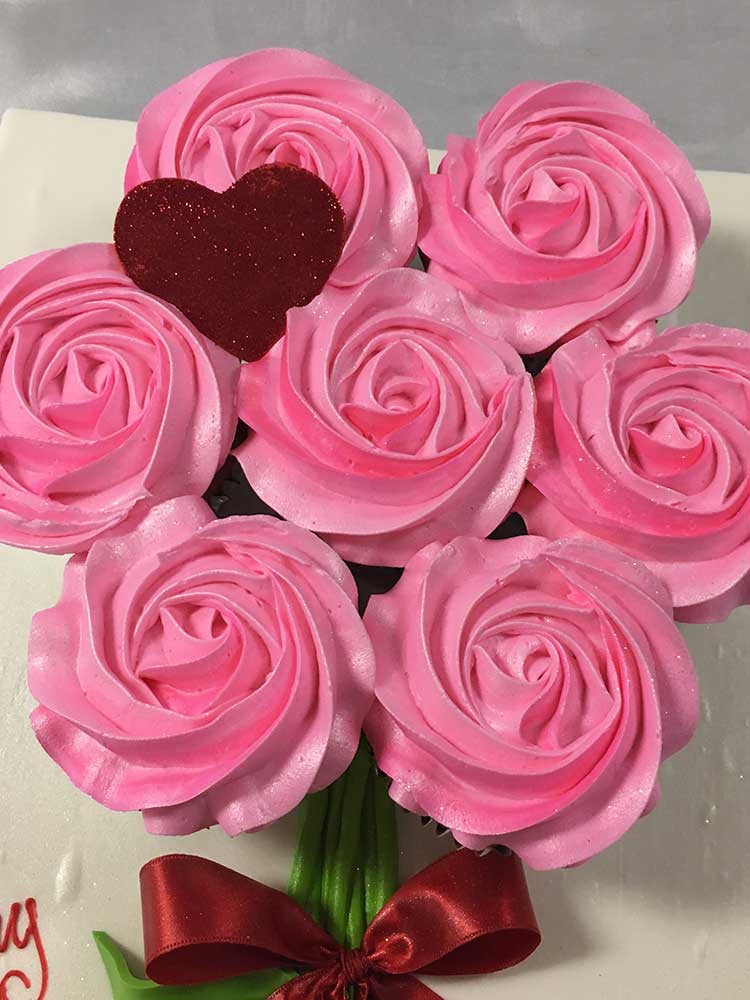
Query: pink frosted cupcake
{"type": "Point", "coordinates": [387, 419]}
{"type": "Point", "coordinates": [202, 671]}
{"type": "Point", "coordinates": [286, 106]}
{"type": "Point", "coordinates": [567, 208]}
{"type": "Point", "coordinates": [110, 400]}
{"type": "Point", "coordinates": [527, 692]}
{"type": "Point", "coordinates": [650, 450]}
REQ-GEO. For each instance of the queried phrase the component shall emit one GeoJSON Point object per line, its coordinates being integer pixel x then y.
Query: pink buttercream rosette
{"type": "Point", "coordinates": [650, 451]}
{"type": "Point", "coordinates": [202, 671]}
{"type": "Point", "coordinates": [527, 691]}
{"type": "Point", "coordinates": [286, 106]}
{"type": "Point", "coordinates": [387, 419]}
{"type": "Point", "coordinates": [110, 400]}
{"type": "Point", "coordinates": [568, 207]}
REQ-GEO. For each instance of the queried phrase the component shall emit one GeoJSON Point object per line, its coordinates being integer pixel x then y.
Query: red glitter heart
{"type": "Point", "coordinates": [233, 262]}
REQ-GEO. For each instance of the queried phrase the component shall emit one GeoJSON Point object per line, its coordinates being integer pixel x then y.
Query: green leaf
{"type": "Point", "coordinates": [126, 986]}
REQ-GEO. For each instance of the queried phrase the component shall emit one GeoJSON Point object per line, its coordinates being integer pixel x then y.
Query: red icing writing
{"type": "Point", "coordinates": [12, 936]}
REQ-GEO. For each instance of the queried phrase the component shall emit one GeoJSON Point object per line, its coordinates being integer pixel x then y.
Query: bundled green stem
{"type": "Point", "coordinates": [346, 865]}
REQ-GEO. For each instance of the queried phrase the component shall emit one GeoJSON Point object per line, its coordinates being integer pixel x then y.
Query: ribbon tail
{"type": "Point", "coordinates": [400, 988]}
{"type": "Point", "coordinates": [328, 985]}
{"type": "Point", "coordinates": [320, 984]}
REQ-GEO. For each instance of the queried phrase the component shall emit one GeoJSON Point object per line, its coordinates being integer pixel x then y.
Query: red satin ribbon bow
{"type": "Point", "coordinates": [463, 915]}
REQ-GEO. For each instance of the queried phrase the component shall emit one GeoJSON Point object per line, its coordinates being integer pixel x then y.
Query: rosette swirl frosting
{"type": "Point", "coordinates": [387, 419]}
{"type": "Point", "coordinates": [527, 691]}
{"type": "Point", "coordinates": [286, 106]}
{"type": "Point", "coordinates": [110, 400]}
{"type": "Point", "coordinates": [650, 450]}
{"type": "Point", "coordinates": [568, 207]}
{"type": "Point", "coordinates": [202, 671]}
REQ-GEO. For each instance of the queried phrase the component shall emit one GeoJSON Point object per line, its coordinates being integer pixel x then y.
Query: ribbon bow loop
{"type": "Point", "coordinates": [462, 915]}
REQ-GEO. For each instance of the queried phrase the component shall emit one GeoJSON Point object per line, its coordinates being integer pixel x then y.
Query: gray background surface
{"type": "Point", "coordinates": [686, 61]}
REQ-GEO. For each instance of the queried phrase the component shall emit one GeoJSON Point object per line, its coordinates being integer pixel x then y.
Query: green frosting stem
{"type": "Point", "coordinates": [355, 926]}
{"type": "Point", "coordinates": [384, 878]}
{"type": "Point", "coordinates": [126, 986]}
{"type": "Point", "coordinates": [314, 905]}
{"type": "Point", "coordinates": [304, 880]}
{"type": "Point", "coordinates": [371, 877]}
{"type": "Point", "coordinates": [330, 843]}
{"type": "Point", "coordinates": [346, 859]}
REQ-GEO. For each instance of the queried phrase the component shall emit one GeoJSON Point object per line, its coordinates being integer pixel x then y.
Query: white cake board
{"type": "Point", "coordinates": [665, 913]}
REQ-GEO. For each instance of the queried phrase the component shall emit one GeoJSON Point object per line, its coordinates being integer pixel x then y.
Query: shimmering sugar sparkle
{"type": "Point", "coordinates": [233, 262]}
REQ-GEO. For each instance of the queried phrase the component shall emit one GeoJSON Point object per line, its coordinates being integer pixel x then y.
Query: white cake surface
{"type": "Point", "coordinates": [664, 913]}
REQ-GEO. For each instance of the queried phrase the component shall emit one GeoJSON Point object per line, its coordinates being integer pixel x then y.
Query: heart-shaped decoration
{"type": "Point", "coordinates": [233, 262]}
